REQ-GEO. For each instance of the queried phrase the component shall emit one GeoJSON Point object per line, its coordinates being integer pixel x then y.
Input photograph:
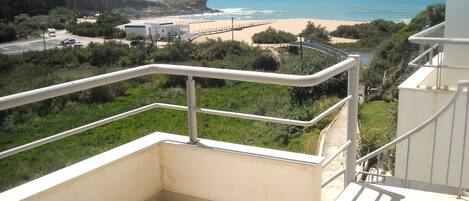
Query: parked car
{"type": "Point", "coordinates": [136, 43]}
{"type": "Point", "coordinates": [77, 44]}
{"type": "Point", "coordinates": [67, 41]}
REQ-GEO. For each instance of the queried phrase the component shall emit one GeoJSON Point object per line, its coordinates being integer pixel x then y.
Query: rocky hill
{"type": "Point", "coordinates": [134, 8]}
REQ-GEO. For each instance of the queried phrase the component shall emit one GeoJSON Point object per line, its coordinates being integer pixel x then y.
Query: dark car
{"type": "Point", "coordinates": [68, 41]}
{"type": "Point", "coordinates": [136, 42]}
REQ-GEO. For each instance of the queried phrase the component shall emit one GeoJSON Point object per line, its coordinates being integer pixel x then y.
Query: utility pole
{"type": "Point", "coordinates": [301, 48]}
{"type": "Point", "coordinates": [232, 29]}
{"type": "Point", "coordinates": [43, 34]}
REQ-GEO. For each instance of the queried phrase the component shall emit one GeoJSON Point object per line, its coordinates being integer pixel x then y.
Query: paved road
{"type": "Point", "coordinates": [38, 44]}
{"type": "Point", "coordinates": [27, 45]}
{"type": "Point", "coordinates": [336, 136]}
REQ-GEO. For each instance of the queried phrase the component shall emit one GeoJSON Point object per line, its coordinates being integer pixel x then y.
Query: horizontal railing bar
{"type": "Point", "coordinates": [430, 30]}
{"type": "Point", "coordinates": [74, 131]}
{"type": "Point", "coordinates": [433, 40]}
{"type": "Point", "coordinates": [330, 179]}
{"type": "Point", "coordinates": [439, 66]}
{"type": "Point", "coordinates": [111, 119]}
{"type": "Point", "coordinates": [374, 174]}
{"type": "Point", "coordinates": [423, 54]}
{"type": "Point", "coordinates": [406, 135]}
{"type": "Point", "coordinates": [421, 38]}
{"type": "Point", "coordinates": [341, 149]}
{"type": "Point", "coordinates": [32, 96]}
{"type": "Point", "coordinates": [275, 119]}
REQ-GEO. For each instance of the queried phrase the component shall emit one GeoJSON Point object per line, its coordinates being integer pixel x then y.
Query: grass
{"type": "Point", "coordinates": [376, 114]}
{"type": "Point", "coordinates": [378, 128]}
{"type": "Point", "coordinates": [260, 99]}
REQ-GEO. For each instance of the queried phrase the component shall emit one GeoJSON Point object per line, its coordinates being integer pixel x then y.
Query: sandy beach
{"type": "Point", "coordinates": [294, 26]}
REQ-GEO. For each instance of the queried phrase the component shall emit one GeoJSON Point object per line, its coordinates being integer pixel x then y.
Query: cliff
{"type": "Point", "coordinates": [11, 8]}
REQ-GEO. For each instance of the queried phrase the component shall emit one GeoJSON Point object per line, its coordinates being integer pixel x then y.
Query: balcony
{"type": "Point", "coordinates": [163, 166]}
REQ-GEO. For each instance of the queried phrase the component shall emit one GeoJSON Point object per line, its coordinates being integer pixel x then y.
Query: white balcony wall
{"type": "Point", "coordinates": [416, 106]}
{"type": "Point", "coordinates": [149, 167]}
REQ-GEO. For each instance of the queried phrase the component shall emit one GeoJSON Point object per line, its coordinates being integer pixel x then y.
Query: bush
{"type": "Point", "coordinates": [369, 34]}
{"type": "Point", "coordinates": [315, 33]}
{"type": "Point", "coordinates": [107, 53]}
{"type": "Point", "coordinates": [395, 53]}
{"type": "Point", "coordinates": [134, 36]}
{"type": "Point", "coordinates": [218, 49]}
{"type": "Point", "coordinates": [272, 36]}
{"type": "Point", "coordinates": [265, 62]}
{"type": "Point", "coordinates": [89, 29]}
{"type": "Point", "coordinates": [336, 86]}
{"type": "Point", "coordinates": [179, 51]}
{"type": "Point", "coordinates": [111, 19]}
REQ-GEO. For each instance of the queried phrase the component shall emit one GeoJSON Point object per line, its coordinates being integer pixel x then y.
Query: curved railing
{"type": "Point", "coordinates": [432, 120]}
{"type": "Point", "coordinates": [351, 65]}
{"type": "Point", "coordinates": [326, 49]}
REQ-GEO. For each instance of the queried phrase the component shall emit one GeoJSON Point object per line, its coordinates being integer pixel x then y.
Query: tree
{"type": "Point", "coordinates": [315, 33]}
{"type": "Point", "coordinates": [7, 32]}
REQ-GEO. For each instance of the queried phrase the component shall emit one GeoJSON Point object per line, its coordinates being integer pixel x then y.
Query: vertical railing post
{"type": "Point", "coordinates": [352, 122]}
{"type": "Point", "coordinates": [191, 109]}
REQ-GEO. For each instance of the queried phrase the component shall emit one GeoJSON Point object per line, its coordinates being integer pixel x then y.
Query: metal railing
{"type": "Point", "coordinates": [434, 35]}
{"type": "Point", "coordinates": [434, 39]}
{"type": "Point", "coordinates": [433, 120]}
{"type": "Point", "coordinates": [351, 65]}
{"type": "Point", "coordinates": [431, 42]}
{"type": "Point", "coordinates": [326, 49]}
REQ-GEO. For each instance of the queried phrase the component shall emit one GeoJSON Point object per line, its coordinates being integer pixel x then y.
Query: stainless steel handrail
{"type": "Point", "coordinates": [464, 84]}
{"type": "Point", "coordinates": [405, 136]}
{"type": "Point", "coordinates": [111, 119]}
{"type": "Point", "coordinates": [341, 149]}
{"type": "Point", "coordinates": [422, 37]}
{"type": "Point", "coordinates": [23, 98]}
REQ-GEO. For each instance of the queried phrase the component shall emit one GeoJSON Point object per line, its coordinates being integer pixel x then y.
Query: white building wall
{"type": "Point", "coordinates": [141, 30]}
{"type": "Point", "coordinates": [456, 26]}
{"type": "Point", "coordinates": [416, 106]}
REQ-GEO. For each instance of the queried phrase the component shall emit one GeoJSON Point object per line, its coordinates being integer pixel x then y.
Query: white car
{"type": "Point", "coordinates": [77, 44]}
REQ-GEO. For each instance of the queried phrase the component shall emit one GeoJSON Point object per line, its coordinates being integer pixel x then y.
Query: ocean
{"type": "Point", "coordinates": [362, 10]}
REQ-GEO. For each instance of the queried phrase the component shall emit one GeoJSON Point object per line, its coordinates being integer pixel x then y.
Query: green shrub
{"type": "Point", "coordinates": [107, 53]}
{"type": "Point", "coordinates": [111, 19]}
{"type": "Point", "coordinates": [272, 36]}
{"type": "Point", "coordinates": [395, 53]}
{"type": "Point", "coordinates": [335, 86]}
{"type": "Point", "coordinates": [369, 34]}
{"type": "Point", "coordinates": [315, 33]}
{"type": "Point", "coordinates": [134, 36]}
{"type": "Point", "coordinates": [265, 62]}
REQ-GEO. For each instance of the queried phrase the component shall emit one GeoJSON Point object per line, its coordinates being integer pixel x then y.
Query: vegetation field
{"type": "Point", "coordinates": [35, 121]}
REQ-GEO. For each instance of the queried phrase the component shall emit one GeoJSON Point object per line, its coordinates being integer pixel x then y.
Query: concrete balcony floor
{"type": "Point", "coordinates": [367, 192]}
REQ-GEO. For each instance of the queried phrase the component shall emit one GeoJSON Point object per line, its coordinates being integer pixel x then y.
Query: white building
{"type": "Point", "coordinates": [160, 31]}
{"type": "Point", "coordinates": [436, 156]}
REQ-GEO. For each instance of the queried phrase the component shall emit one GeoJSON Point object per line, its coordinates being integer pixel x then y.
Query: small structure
{"type": "Point", "coordinates": [158, 31]}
